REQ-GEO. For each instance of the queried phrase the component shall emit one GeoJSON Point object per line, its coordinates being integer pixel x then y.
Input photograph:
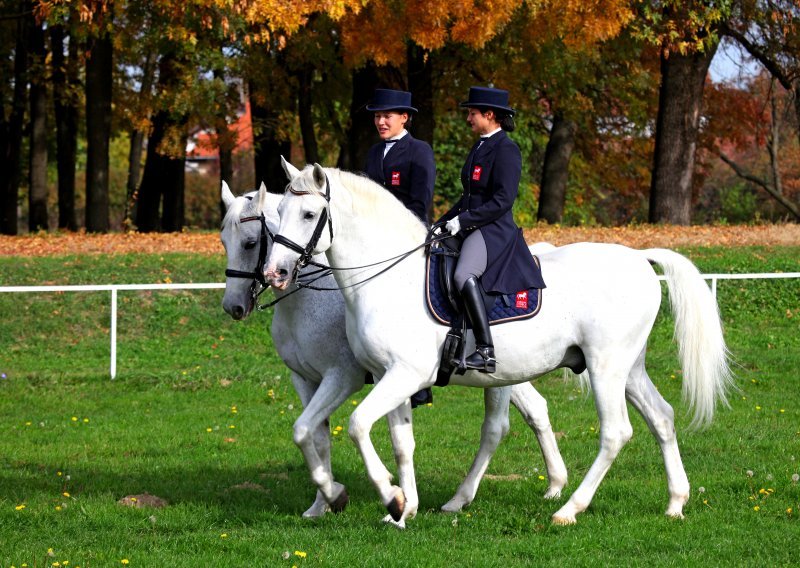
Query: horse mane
{"type": "Point", "coordinates": [235, 212]}
{"type": "Point", "coordinates": [369, 196]}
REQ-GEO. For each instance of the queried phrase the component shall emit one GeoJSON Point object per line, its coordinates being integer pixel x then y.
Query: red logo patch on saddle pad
{"type": "Point", "coordinates": [522, 300]}
{"type": "Point", "coordinates": [395, 178]}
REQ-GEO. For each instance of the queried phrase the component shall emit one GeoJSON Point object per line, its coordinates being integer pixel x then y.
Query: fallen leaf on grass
{"type": "Point", "coordinates": [511, 477]}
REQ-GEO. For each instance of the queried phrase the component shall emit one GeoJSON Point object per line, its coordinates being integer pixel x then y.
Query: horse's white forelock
{"type": "Point", "coordinates": [237, 209]}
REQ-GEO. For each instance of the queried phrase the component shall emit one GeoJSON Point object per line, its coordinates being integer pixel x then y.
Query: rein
{"type": "Point", "coordinates": [324, 270]}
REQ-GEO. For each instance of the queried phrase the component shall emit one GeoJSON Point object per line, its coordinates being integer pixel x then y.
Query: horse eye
{"type": "Point", "coordinates": [308, 216]}
{"type": "Point", "coordinates": [249, 245]}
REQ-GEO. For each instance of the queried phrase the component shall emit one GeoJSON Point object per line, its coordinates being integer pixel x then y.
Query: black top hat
{"type": "Point", "coordinates": [388, 99]}
{"type": "Point", "coordinates": [487, 97]}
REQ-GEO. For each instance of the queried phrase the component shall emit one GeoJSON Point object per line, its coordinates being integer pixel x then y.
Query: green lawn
{"type": "Point", "coordinates": [201, 413]}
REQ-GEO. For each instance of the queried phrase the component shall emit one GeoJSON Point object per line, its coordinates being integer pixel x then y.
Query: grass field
{"type": "Point", "coordinates": [201, 415]}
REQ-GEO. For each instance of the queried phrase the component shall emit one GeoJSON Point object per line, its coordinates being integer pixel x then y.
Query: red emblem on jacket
{"type": "Point", "coordinates": [522, 300]}
{"type": "Point", "coordinates": [476, 173]}
{"type": "Point", "coordinates": [395, 178]}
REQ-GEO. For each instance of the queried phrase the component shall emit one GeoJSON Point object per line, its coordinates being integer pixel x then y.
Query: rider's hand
{"type": "Point", "coordinates": [453, 225]}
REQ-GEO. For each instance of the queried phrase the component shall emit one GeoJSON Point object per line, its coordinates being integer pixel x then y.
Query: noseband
{"type": "Point", "coordinates": [307, 252]}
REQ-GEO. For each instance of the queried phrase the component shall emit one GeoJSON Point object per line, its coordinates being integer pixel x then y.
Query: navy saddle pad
{"type": "Point", "coordinates": [507, 307]}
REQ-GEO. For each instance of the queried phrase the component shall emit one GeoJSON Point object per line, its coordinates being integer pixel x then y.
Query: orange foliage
{"type": "Point", "coordinates": [638, 236]}
{"type": "Point", "coordinates": [579, 23]}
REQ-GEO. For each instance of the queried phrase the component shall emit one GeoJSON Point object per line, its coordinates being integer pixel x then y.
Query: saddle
{"type": "Point", "coordinates": [445, 305]}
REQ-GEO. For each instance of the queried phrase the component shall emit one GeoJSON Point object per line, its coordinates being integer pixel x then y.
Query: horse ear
{"type": "Point", "coordinates": [227, 196]}
{"type": "Point", "coordinates": [261, 197]}
{"type": "Point", "coordinates": [291, 171]}
{"type": "Point", "coordinates": [319, 176]}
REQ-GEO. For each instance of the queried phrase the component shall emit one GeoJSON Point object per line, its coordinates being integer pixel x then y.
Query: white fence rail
{"type": "Point", "coordinates": [115, 288]}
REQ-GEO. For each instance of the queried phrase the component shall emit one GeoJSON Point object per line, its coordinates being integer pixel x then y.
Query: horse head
{"type": "Point", "coordinates": [305, 225]}
{"type": "Point", "coordinates": [249, 219]}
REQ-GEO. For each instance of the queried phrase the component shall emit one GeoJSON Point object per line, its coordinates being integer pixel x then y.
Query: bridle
{"type": "Point", "coordinates": [263, 243]}
{"type": "Point", "coordinates": [307, 252]}
{"type": "Point", "coordinates": [259, 283]}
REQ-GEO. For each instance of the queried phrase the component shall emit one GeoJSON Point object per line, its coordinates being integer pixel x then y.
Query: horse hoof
{"type": "Point", "coordinates": [340, 503]}
{"type": "Point", "coordinates": [553, 493]}
{"type": "Point", "coordinates": [452, 506]}
{"type": "Point", "coordinates": [564, 521]}
{"type": "Point", "coordinates": [396, 506]}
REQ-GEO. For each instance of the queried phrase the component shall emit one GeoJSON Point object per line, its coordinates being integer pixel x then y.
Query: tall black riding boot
{"type": "Point", "coordinates": [483, 359]}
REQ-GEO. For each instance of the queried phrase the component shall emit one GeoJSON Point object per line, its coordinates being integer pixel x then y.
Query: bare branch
{"type": "Point", "coordinates": [766, 186]}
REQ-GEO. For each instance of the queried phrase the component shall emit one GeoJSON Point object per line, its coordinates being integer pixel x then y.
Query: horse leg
{"type": "Point", "coordinates": [312, 428]}
{"type": "Point", "coordinates": [659, 416]}
{"type": "Point", "coordinates": [533, 408]}
{"type": "Point", "coordinates": [615, 431]}
{"type": "Point", "coordinates": [494, 429]}
{"type": "Point", "coordinates": [402, 434]}
{"type": "Point", "coordinates": [397, 384]}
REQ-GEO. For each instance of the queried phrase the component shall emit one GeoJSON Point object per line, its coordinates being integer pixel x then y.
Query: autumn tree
{"type": "Point", "coordinates": [686, 34]}
{"type": "Point", "coordinates": [769, 33]}
{"type": "Point", "coordinates": [37, 162]}
{"type": "Point", "coordinates": [99, 81]}
{"type": "Point", "coordinates": [14, 41]}
{"type": "Point", "coordinates": [752, 129]}
{"type": "Point", "coordinates": [66, 100]}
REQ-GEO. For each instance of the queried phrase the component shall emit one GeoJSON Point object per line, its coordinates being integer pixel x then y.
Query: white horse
{"type": "Point", "coordinates": [307, 331]}
{"type": "Point", "coordinates": [598, 309]}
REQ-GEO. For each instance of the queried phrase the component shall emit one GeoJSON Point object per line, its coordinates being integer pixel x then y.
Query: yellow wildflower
{"type": "Point", "coordinates": [20, 507]}
{"type": "Point", "coordinates": [300, 553]}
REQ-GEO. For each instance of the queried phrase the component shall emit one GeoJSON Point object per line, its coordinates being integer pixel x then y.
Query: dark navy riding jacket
{"type": "Point", "coordinates": [490, 180]}
{"type": "Point", "coordinates": [408, 171]}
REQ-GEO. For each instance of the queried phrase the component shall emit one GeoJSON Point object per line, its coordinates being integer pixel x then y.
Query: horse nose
{"type": "Point", "coordinates": [236, 311]}
{"type": "Point", "coordinates": [277, 277]}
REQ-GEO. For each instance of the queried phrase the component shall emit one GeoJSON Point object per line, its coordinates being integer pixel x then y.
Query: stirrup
{"type": "Point", "coordinates": [482, 360]}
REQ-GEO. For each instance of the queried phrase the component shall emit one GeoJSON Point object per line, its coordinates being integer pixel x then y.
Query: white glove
{"type": "Point", "coordinates": [453, 225]}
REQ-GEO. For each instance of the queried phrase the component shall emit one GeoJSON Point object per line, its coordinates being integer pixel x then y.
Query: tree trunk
{"type": "Point", "coordinates": [148, 200]}
{"type": "Point", "coordinates": [163, 176]}
{"type": "Point", "coordinates": [555, 171]}
{"type": "Point", "coordinates": [361, 134]}
{"type": "Point", "coordinates": [305, 108]}
{"type": "Point", "coordinates": [65, 78]}
{"type": "Point", "coordinates": [679, 106]}
{"type": "Point", "coordinates": [267, 148]}
{"type": "Point", "coordinates": [37, 170]}
{"type": "Point", "coordinates": [173, 216]}
{"type": "Point", "coordinates": [420, 83]}
{"type": "Point", "coordinates": [13, 128]}
{"type": "Point", "coordinates": [137, 143]}
{"type": "Point", "coordinates": [99, 70]}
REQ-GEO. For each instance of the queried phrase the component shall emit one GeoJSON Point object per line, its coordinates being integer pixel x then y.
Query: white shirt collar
{"type": "Point", "coordinates": [492, 133]}
{"type": "Point", "coordinates": [398, 137]}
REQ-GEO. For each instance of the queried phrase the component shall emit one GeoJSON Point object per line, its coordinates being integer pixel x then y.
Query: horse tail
{"type": "Point", "coordinates": [698, 331]}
